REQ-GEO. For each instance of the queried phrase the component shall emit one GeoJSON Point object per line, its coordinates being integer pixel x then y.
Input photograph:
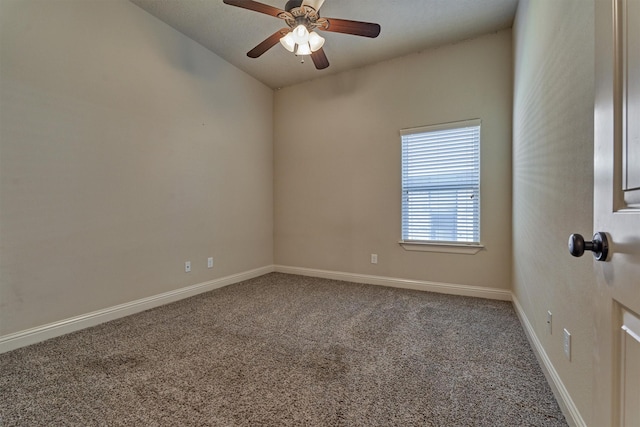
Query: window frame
{"type": "Point", "coordinates": [435, 245]}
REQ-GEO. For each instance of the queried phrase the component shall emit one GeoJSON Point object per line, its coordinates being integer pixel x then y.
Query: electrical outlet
{"type": "Point", "coordinates": [549, 323]}
{"type": "Point", "coordinates": [187, 266]}
{"type": "Point", "coordinates": [210, 262]}
{"type": "Point", "coordinates": [374, 258]}
{"type": "Point", "coordinates": [567, 344]}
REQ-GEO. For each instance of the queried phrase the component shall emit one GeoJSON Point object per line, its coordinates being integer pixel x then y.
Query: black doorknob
{"type": "Point", "coordinates": [599, 246]}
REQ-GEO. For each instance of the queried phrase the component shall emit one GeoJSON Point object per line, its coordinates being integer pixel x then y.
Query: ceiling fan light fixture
{"type": "Point", "coordinates": [288, 42]}
{"type": "Point", "coordinates": [315, 41]}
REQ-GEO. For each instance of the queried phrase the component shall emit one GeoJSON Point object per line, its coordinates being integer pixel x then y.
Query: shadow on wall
{"type": "Point", "coordinates": [339, 85]}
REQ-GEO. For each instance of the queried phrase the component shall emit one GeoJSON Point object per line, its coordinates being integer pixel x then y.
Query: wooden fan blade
{"type": "Point", "coordinates": [268, 43]}
{"type": "Point", "coordinates": [320, 59]}
{"type": "Point", "coordinates": [255, 6]}
{"type": "Point", "coordinates": [356, 28]}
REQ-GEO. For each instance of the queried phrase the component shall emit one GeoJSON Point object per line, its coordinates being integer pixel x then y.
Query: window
{"type": "Point", "coordinates": [441, 184]}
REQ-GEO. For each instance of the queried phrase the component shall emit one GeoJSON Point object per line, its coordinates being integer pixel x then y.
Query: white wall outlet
{"type": "Point", "coordinates": [374, 258]}
{"type": "Point", "coordinates": [187, 266]}
{"type": "Point", "coordinates": [549, 323]}
{"type": "Point", "coordinates": [567, 344]}
{"type": "Point", "coordinates": [210, 262]}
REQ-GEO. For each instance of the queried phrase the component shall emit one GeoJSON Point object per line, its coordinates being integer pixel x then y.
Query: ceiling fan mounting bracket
{"type": "Point", "coordinates": [292, 4]}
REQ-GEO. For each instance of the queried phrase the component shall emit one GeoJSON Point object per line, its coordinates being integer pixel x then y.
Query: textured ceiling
{"type": "Point", "coordinates": [408, 26]}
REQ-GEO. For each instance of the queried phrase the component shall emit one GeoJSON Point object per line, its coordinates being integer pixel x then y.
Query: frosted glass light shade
{"type": "Point", "coordinates": [288, 42]}
{"type": "Point", "coordinates": [303, 49]}
{"type": "Point", "coordinates": [300, 34]}
{"type": "Point", "coordinates": [315, 41]}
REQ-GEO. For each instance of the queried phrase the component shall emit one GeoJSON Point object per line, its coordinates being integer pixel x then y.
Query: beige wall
{"type": "Point", "coordinates": [337, 182]}
{"type": "Point", "coordinates": [553, 180]}
{"type": "Point", "coordinates": [125, 150]}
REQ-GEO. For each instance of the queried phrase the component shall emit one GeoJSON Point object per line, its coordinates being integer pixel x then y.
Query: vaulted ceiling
{"type": "Point", "coordinates": [408, 26]}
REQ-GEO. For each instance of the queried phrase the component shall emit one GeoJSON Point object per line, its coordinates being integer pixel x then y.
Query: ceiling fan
{"type": "Point", "coordinates": [302, 18]}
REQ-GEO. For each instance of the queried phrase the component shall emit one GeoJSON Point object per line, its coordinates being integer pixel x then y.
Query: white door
{"type": "Point", "coordinates": [617, 212]}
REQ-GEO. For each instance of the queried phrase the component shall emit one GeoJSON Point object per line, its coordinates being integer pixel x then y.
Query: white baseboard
{"type": "Point", "coordinates": [420, 285]}
{"type": "Point", "coordinates": [51, 330]}
{"type": "Point", "coordinates": [563, 397]}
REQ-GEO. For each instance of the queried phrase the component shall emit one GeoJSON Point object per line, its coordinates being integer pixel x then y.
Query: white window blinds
{"type": "Point", "coordinates": [441, 183]}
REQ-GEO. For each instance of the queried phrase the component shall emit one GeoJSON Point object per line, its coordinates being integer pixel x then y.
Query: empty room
{"type": "Point", "coordinates": [320, 212]}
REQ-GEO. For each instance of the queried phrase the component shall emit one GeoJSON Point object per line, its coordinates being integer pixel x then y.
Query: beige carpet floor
{"type": "Point", "coordinates": [285, 350]}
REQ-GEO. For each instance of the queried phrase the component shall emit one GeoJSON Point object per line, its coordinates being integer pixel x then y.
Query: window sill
{"type": "Point", "coordinates": [451, 248]}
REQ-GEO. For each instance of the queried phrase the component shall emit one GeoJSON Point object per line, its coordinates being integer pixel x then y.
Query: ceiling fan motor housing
{"type": "Point", "coordinates": [296, 15]}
